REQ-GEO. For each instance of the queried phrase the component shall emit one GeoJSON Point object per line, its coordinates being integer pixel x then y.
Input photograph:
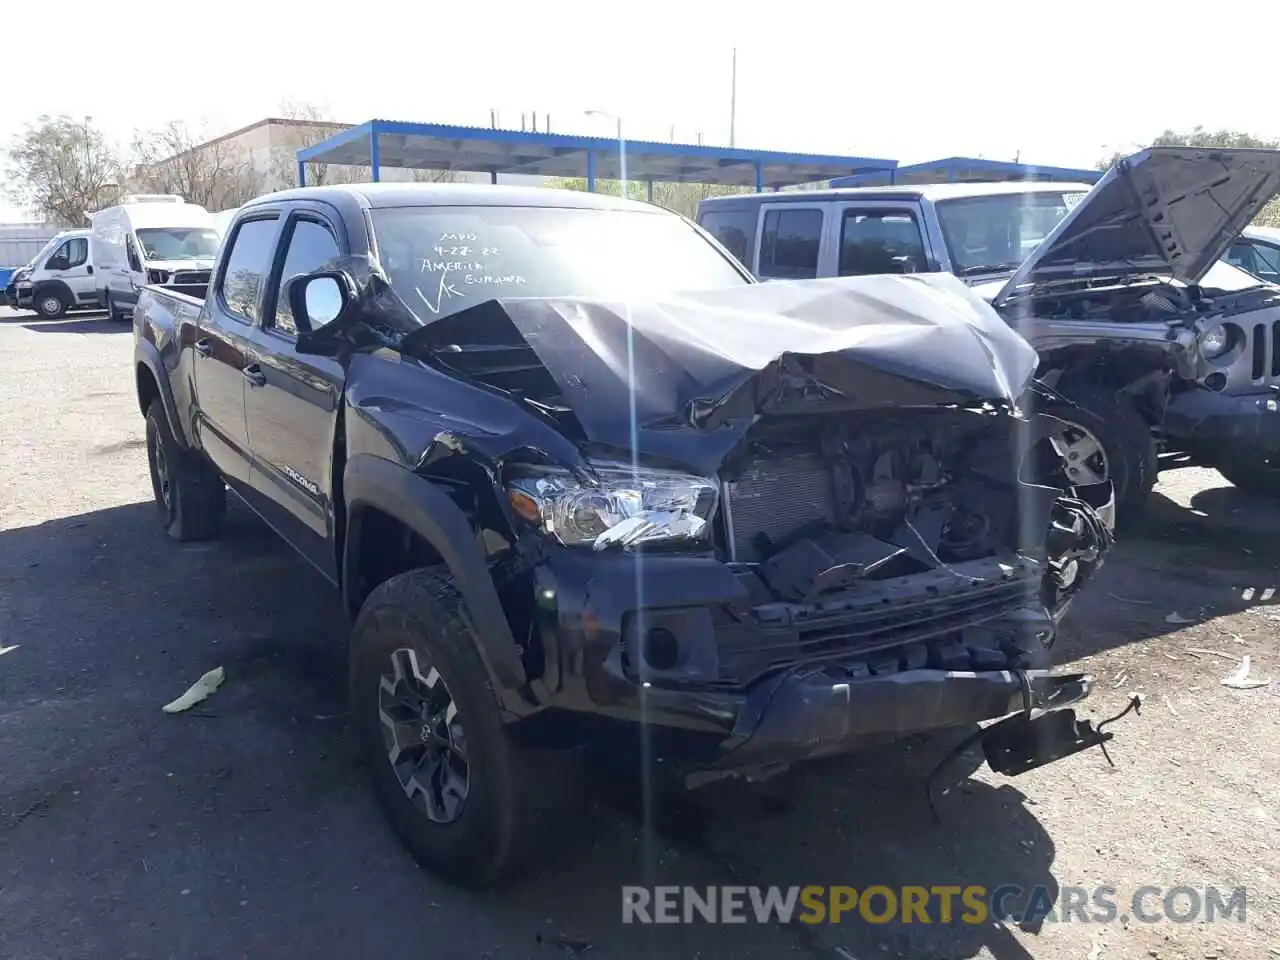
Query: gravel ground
{"type": "Point", "coordinates": [244, 827]}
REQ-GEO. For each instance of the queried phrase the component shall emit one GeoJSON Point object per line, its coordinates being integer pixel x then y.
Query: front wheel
{"type": "Point", "coordinates": [1106, 438]}
{"type": "Point", "coordinates": [470, 803]}
{"type": "Point", "coordinates": [49, 304]}
{"type": "Point", "coordinates": [1257, 473]}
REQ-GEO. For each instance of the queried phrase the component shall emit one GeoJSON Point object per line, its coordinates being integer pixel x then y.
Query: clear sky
{"type": "Point", "coordinates": [1059, 84]}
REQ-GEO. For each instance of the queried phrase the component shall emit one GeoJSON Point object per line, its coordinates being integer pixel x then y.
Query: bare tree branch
{"type": "Point", "coordinates": [176, 159]}
{"type": "Point", "coordinates": [62, 169]}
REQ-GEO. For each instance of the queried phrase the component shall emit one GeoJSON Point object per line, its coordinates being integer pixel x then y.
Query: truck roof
{"type": "Point", "coordinates": [458, 194]}
{"type": "Point", "coordinates": [926, 191]}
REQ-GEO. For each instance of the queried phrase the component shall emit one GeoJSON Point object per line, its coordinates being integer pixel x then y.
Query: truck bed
{"type": "Point", "coordinates": [165, 306]}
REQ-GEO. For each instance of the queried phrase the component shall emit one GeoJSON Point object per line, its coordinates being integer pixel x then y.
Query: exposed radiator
{"type": "Point", "coordinates": [775, 495]}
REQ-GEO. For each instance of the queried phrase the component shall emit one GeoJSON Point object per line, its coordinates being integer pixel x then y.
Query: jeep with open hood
{"type": "Point", "coordinates": [582, 482]}
{"type": "Point", "coordinates": [1171, 355]}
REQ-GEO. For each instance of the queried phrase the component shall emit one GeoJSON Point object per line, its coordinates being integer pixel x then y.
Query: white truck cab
{"type": "Point", "coordinates": [150, 239]}
{"type": "Point", "coordinates": [60, 277]}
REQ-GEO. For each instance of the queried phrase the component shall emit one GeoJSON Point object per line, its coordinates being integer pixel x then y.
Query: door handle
{"type": "Point", "coordinates": [253, 373]}
{"type": "Point", "coordinates": [204, 348]}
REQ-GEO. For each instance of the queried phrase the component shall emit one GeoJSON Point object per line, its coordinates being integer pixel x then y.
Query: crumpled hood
{"type": "Point", "coordinates": [1171, 211]}
{"type": "Point", "coordinates": [707, 359]}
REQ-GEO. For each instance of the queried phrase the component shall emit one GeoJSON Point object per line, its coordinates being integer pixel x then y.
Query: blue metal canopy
{"type": "Point", "coordinates": [388, 143]}
{"type": "Point", "coordinates": [965, 170]}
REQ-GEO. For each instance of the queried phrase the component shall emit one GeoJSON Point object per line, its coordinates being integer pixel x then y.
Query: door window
{"type": "Point", "coordinates": [880, 241]}
{"type": "Point", "coordinates": [70, 253]}
{"type": "Point", "coordinates": [248, 260]}
{"type": "Point", "coordinates": [735, 229]}
{"type": "Point", "coordinates": [312, 247]}
{"type": "Point", "coordinates": [789, 244]}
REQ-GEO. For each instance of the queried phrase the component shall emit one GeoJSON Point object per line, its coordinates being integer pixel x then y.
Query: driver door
{"type": "Point", "coordinates": [293, 401]}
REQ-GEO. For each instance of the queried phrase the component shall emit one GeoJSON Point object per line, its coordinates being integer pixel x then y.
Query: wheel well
{"type": "Point", "coordinates": [1139, 374]}
{"type": "Point", "coordinates": [385, 547]}
{"type": "Point", "coordinates": [148, 389]}
{"type": "Point", "coordinates": [56, 286]}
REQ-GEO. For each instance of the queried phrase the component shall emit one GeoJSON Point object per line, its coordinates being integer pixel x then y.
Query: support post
{"type": "Point", "coordinates": [591, 171]}
{"type": "Point", "coordinates": [759, 177]}
{"type": "Point", "coordinates": [375, 156]}
{"type": "Point", "coordinates": [648, 189]}
{"type": "Point", "coordinates": [302, 173]}
{"type": "Point", "coordinates": [493, 175]}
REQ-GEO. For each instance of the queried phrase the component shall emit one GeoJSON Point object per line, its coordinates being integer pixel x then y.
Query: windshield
{"type": "Point", "coordinates": [445, 259]}
{"type": "Point", "coordinates": [995, 234]}
{"type": "Point", "coordinates": [178, 243]}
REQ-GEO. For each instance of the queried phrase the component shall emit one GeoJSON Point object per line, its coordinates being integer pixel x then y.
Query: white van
{"type": "Point", "coordinates": [150, 239]}
{"type": "Point", "coordinates": [59, 278]}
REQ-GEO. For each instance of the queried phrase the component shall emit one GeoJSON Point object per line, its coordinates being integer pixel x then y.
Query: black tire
{"type": "Point", "coordinates": [113, 315]}
{"type": "Point", "coordinates": [50, 304]}
{"type": "Point", "coordinates": [1258, 474]}
{"type": "Point", "coordinates": [190, 494]}
{"type": "Point", "coordinates": [1121, 432]}
{"type": "Point", "coordinates": [516, 798]}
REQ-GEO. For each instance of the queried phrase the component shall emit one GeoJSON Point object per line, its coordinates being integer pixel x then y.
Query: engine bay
{"type": "Point", "coordinates": [822, 510]}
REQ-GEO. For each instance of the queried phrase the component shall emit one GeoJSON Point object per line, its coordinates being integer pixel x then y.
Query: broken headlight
{"type": "Point", "coordinates": [623, 508]}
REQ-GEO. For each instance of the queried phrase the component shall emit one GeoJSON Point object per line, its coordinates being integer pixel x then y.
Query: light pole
{"type": "Point", "coordinates": [622, 144]}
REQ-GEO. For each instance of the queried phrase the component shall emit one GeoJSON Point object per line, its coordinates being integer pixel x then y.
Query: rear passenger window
{"type": "Point", "coordinates": [311, 248]}
{"type": "Point", "coordinates": [880, 241]}
{"type": "Point", "coordinates": [248, 261]}
{"type": "Point", "coordinates": [735, 229]}
{"type": "Point", "coordinates": [789, 244]}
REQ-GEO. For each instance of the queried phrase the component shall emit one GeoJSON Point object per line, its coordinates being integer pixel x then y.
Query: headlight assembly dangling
{"type": "Point", "coordinates": [623, 509]}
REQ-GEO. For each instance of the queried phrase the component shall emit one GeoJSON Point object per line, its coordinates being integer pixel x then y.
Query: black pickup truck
{"type": "Point", "coordinates": [568, 500]}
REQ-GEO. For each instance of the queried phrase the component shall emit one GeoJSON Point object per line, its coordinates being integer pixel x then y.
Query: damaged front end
{"type": "Point", "coordinates": [797, 516]}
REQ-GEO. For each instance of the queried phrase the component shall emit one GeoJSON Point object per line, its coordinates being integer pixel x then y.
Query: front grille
{"type": "Point", "coordinates": [1265, 350]}
{"type": "Point", "coordinates": [890, 620]}
{"type": "Point", "coordinates": [190, 277]}
{"type": "Point", "coordinates": [775, 496]}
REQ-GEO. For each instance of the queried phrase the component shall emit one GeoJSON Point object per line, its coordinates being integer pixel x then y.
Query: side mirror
{"type": "Point", "coordinates": [318, 300]}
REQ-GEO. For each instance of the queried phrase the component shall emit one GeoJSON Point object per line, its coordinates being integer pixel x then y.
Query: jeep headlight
{"type": "Point", "coordinates": [621, 509]}
{"type": "Point", "coordinates": [1215, 341]}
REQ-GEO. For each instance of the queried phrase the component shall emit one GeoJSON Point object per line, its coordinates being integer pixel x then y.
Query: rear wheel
{"type": "Point", "coordinates": [1106, 438]}
{"type": "Point", "coordinates": [50, 305]}
{"type": "Point", "coordinates": [189, 492]}
{"type": "Point", "coordinates": [113, 315]}
{"type": "Point", "coordinates": [469, 802]}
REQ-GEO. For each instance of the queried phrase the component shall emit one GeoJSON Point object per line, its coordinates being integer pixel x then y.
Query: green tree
{"type": "Point", "coordinates": [62, 169]}
{"type": "Point", "coordinates": [1198, 136]}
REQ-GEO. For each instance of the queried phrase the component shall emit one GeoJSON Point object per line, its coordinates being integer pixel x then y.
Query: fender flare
{"type": "Point", "coordinates": [427, 510]}
{"type": "Point", "coordinates": [147, 356]}
{"type": "Point", "coordinates": [64, 292]}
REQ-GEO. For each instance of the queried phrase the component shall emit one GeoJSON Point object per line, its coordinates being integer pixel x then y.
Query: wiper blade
{"type": "Point", "coordinates": [987, 268]}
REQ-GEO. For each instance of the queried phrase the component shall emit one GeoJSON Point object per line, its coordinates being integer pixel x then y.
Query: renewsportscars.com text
{"type": "Point", "coordinates": [942, 904]}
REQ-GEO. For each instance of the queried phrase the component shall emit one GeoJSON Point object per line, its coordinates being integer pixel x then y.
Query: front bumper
{"type": "Point", "coordinates": [20, 295]}
{"type": "Point", "coordinates": [751, 683]}
{"type": "Point", "coordinates": [799, 717]}
{"type": "Point", "coordinates": [1214, 419]}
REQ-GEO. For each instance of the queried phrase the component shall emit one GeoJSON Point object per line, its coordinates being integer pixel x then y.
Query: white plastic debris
{"type": "Point", "coordinates": [198, 692]}
{"type": "Point", "coordinates": [1239, 679]}
{"type": "Point", "coordinates": [1176, 617]}
{"type": "Point", "coordinates": [4, 649]}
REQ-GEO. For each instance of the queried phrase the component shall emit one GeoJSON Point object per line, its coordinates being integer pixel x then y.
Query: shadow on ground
{"type": "Point", "coordinates": [95, 322]}
{"type": "Point", "coordinates": [245, 825]}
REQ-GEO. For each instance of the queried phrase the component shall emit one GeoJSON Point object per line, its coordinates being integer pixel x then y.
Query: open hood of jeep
{"type": "Point", "coordinates": [1169, 211]}
{"type": "Point", "coordinates": [712, 360]}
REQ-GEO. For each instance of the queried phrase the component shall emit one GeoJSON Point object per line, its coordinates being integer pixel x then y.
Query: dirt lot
{"type": "Point", "coordinates": [244, 828]}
